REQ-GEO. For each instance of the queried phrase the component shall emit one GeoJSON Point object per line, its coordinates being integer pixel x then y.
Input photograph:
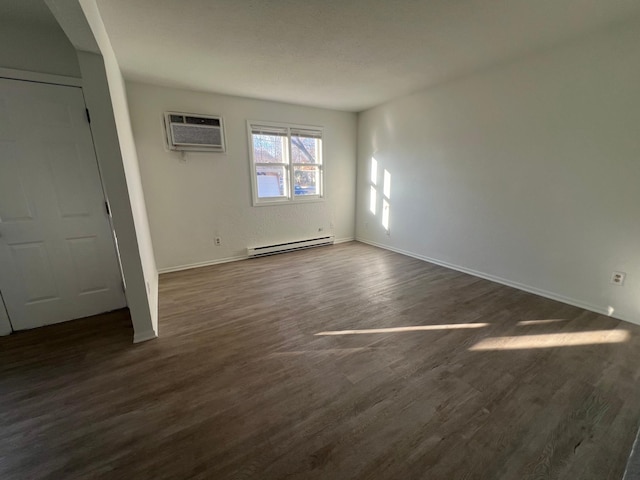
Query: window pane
{"type": "Point", "coordinates": [269, 148]}
{"type": "Point", "coordinates": [271, 181]}
{"type": "Point", "coordinates": [305, 149]}
{"type": "Point", "coordinates": [306, 180]}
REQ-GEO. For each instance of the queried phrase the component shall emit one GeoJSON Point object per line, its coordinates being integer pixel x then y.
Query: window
{"type": "Point", "coordinates": [286, 163]}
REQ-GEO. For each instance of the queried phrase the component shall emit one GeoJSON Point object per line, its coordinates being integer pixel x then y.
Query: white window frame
{"type": "Point", "coordinates": [289, 166]}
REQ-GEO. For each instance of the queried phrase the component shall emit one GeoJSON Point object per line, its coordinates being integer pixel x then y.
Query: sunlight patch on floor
{"type": "Point", "coordinates": [552, 340]}
{"type": "Point", "coordinates": [541, 322]}
{"type": "Point", "coordinates": [412, 328]}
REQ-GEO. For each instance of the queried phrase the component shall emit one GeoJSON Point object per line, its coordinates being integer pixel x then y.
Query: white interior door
{"type": "Point", "coordinates": [57, 256]}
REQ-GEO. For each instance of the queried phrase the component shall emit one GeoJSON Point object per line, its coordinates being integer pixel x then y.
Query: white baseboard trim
{"type": "Point", "coordinates": [207, 263]}
{"type": "Point", "coordinates": [508, 283]}
{"type": "Point", "coordinates": [139, 337]}
{"type": "Point", "coordinates": [343, 240]}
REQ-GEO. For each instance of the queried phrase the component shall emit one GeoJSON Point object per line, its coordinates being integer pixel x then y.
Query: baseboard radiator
{"type": "Point", "coordinates": [289, 246]}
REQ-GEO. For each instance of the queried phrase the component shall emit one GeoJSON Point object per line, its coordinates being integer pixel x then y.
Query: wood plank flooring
{"type": "Point", "coordinates": [342, 362]}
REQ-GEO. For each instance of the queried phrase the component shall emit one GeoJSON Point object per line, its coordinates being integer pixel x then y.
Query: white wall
{"type": "Point", "coordinates": [191, 202]}
{"type": "Point", "coordinates": [526, 173]}
{"type": "Point", "coordinates": [105, 92]}
{"type": "Point", "coordinates": [141, 302]}
{"type": "Point", "coordinates": [37, 48]}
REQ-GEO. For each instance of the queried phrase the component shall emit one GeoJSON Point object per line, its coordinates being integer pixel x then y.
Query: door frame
{"type": "Point", "coordinates": [6, 327]}
{"type": "Point", "coordinates": [38, 77]}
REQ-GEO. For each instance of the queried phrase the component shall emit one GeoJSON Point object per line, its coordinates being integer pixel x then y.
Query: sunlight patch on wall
{"type": "Point", "coordinates": [385, 194]}
{"type": "Point", "coordinates": [373, 199]}
{"type": "Point", "coordinates": [386, 184]}
{"type": "Point", "coordinates": [552, 340]}
{"type": "Point", "coordinates": [411, 328]}
{"type": "Point", "coordinates": [374, 171]}
{"type": "Point", "coordinates": [373, 193]}
{"type": "Point", "coordinates": [385, 214]}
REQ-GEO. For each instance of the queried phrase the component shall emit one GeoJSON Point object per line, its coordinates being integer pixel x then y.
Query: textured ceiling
{"type": "Point", "coordinates": [346, 55]}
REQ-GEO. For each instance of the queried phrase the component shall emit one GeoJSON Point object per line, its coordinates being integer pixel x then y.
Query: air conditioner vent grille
{"type": "Point", "coordinates": [212, 122]}
{"type": "Point", "coordinates": [192, 132]}
{"type": "Point", "coordinates": [188, 135]}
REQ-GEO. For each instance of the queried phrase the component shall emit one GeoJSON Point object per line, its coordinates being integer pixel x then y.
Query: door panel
{"type": "Point", "coordinates": [85, 253]}
{"type": "Point", "coordinates": [57, 256]}
{"type": "Point", "coordinates": [14, 205]}
{"type": "Point", "coordinates": [32, 262]}
{"type": "Point", "coordinates": [68, 180]}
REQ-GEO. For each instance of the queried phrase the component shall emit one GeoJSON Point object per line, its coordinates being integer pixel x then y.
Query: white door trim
{"type": "Point", "coordinates": [13, 74]}
{"type": "Point", "coordinates": [5, 324]}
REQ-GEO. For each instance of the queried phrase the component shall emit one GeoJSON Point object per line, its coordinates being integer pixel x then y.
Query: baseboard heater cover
{"type": "Point", "coordinates": [289, 246]}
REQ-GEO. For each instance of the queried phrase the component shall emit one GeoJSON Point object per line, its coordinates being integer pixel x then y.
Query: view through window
{"type": "Point", "coordinates": [286, 162]}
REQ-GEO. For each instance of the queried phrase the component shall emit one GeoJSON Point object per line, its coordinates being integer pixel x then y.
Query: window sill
{"type": "Point", "coordinates": [299, 201]}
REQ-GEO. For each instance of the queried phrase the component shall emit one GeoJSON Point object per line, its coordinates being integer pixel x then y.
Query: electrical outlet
{"type": "Point", "coordinates": [218, 241]}
{"type": "Point", "coordinates": [617, 278]}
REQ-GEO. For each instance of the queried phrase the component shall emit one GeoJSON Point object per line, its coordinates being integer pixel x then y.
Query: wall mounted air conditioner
{"type": "Point", "coordinates": [193, 132]}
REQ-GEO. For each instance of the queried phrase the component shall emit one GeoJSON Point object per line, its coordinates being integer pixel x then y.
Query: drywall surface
{"type": "Point", "coordinates": [208, 195]}
{"type": "Point", "coordinates": [142, 304]}
{"type": "Point", "coordinates": [37, 48]}
{"type": "Point", "coordinates": [124, 188]}
{"type": "Point", "coordinates": [526, 173]}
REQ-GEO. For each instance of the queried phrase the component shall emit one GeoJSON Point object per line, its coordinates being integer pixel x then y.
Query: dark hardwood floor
{"type": "Point", "coordinates": [342, 362]}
